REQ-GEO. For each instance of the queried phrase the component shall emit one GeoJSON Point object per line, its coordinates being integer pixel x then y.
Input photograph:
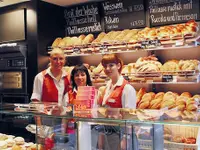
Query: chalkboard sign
{"type": "Point", "coordinates": [162, 12]}
{"type": "Point", "coordinates": [82, 19]}
{"type": "Point", "coordinates": [123, 14]}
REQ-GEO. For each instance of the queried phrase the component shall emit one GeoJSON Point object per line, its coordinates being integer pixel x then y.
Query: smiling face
{"type": "Point", "coordinates": [57, 61]}
{"type": "Point", "coordinates": [80, 78]}
{"type": "Point", "coordinates": [111, 69]}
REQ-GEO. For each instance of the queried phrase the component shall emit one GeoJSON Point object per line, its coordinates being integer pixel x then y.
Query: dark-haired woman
{"type": "Point", "coordinates": [118, 93]}
{"type": "Point", "coordinates": [79, 77]}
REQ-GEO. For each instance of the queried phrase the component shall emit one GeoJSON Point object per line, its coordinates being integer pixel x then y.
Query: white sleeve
{"type": "Point", "coordinates": [66, 99]}
{"type": "Point", "coordinates": [37, 87]}
{"type": "Point", "coordinates": [128, 97]}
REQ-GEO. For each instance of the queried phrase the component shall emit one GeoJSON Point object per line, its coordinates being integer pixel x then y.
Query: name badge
{"type": "Point", "coordinates": [111, 100]}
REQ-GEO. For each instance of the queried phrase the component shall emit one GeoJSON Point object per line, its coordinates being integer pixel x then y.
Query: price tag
{"type": "Point", "coordinates": [150, 43]}
{"type": "Point", "coordinates": [167, 78]}
{"type": "Point", "coordinates": [103, 48]}
{"type": "Point", "coordinates": [76, 50]}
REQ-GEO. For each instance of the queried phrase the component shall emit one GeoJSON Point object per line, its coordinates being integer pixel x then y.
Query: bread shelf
{"type": "Point", "coordinates": [99, 49]}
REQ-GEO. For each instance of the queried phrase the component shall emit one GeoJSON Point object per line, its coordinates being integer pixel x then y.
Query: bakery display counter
{"type": "Point", "coordinates": [142, 129]}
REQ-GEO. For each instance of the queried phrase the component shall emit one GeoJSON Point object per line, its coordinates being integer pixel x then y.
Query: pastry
{"type": "Point", "coordinates": [19, 140]}
{"type": "Point", "coordinates": [3, 145]}
{"type": "Point", "coordinates": [10, 142]}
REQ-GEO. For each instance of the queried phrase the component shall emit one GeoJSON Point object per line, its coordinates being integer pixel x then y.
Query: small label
{"type": "Point", "coordinates": [103, 48]}
{"type": "Point", "coordinates": [150, 43]}
{"type": "Point", "coordinates": [167, 78]}
{"type": "Point", "coordinates": [76, 50]}
{"type": "Point", "coordinates": [111, 100]}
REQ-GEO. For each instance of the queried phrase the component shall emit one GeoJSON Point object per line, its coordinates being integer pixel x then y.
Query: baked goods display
{"type": "Point", "coordinates": [185, 135]}
{"type": "Point", "coordinates": [183, 102]}
{"type": "Point", "coordinates": [128, 39]}
{"type": "Point", "coordinates": [10, 142]}
{"type": "Point", "coordinates": [149, 69]}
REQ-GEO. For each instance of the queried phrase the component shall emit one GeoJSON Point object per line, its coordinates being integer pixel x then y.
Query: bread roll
{"type": "Point", "coordinates": [67, 41]}
{"type": "Point", "coordinates": [171, 65]}
{"type": "Point", "coordinates": [125, 69]}
{"type": "Point", "coordinates": [3, 145]}
{"type": "Point", "coordinates": [147, 97]}
{"type": "Point", "coordinates": [98, 69]}
{"type": "Point", "coordinates": [167, 130]}
{"type": "Point", "coordinates": [191, 107]}
{"type": "Point", "coordinates": [169, 96]}
{"type": "Point", "coordinates": [81, 37]}
{"type": "Point", "coordinates": [19, 140]}
{"type": "Point", "coordinates": [187, 65]}
{"type": "Point", "coordinates": [123, 33]}
{"type": "Point", "coordinates": [10, 142]}
{"type": "Point", "coordinates": [143, 105]}
{"type": "Point", "coordinates": [159, 95]}
{"type": "Point", "coordinates": [99, 37]}
{"type": "Point", "coordinates": [139, 95]}
{"type": "Point", "coordinates": [56, 42]}
{"type": "Point", "coordinates": [155, 103]}
{"type": "Point", "coordinates": [196, 98]}
{"type": "Point", "coordinates": [180, 107]}
{"type": "Point", "coordinates": [186, 94]}
{"type": "Point", "coordinates": [170, 103]}
{"type": "Point", "coordinates": [88, 39]}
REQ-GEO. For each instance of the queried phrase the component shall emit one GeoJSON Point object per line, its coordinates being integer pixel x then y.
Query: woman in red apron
{"type": "Point", "coordinates": [118, 93]}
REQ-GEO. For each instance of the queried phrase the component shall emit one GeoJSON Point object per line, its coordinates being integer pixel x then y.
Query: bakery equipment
{"type": "Point", "coordinates": [13, 73]}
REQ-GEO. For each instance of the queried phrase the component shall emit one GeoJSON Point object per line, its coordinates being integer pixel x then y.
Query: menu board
{"type": "Point", "coordinates": [163, 12]}
{"type": "Point", "coordinates": [123, 14]}
{"type": "Point", "coordinates": [82, 19]}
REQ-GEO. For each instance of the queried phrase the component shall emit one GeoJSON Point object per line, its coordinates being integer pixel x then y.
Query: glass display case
{"type": "Point", "coordinates": [99, 128]}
